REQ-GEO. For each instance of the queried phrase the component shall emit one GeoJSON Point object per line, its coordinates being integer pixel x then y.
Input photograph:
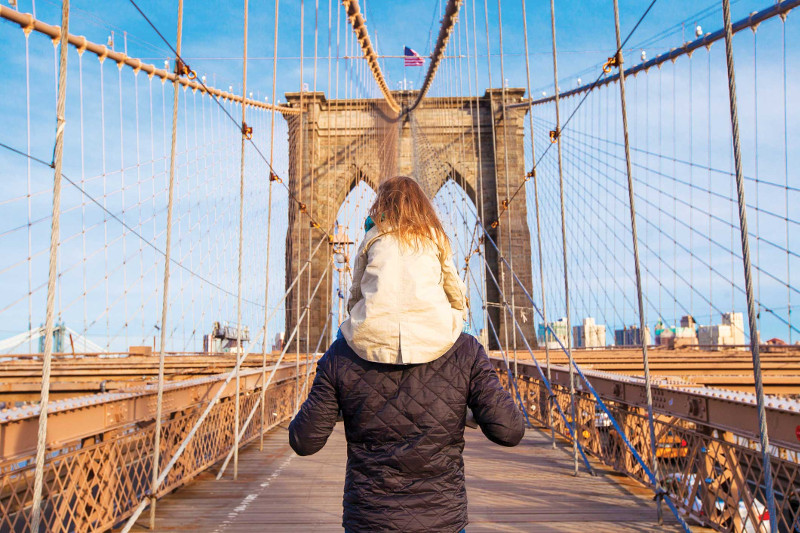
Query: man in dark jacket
{"type": "Point", "coordinates": [405, 433]}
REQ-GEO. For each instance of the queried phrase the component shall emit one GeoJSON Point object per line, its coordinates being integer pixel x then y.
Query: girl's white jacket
{"type": "Point", "coordinates": [406, 306]}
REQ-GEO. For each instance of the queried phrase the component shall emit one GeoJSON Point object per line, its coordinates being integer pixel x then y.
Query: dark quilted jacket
{"type": "Point", "coordinates": [405, 433]}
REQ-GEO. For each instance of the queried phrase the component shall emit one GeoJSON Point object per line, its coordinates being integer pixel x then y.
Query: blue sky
{"type": "Point", "coordinates": [212, 45]}
{"type": "Point", "coordinates": [212, 31]}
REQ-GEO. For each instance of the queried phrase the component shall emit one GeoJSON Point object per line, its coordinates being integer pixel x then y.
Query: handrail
{"type": "Point", "coordinates": [106, 411]}
{"type": "Point", "coordinates": [720, 409]}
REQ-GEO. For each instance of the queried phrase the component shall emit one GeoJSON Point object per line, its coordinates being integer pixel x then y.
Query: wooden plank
{"type": "Point", "coordinates": [526, 488]}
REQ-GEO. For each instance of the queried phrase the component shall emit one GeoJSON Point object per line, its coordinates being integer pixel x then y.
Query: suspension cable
{"type": "Point", "coordinates": [58, 153]}
{"type": "Point", "coordinates": [593, 391]}
{"type": "Point", "coordinates": [590, 88]}
{"type": "Point", "coordinates": [748, 277]}
{"type": "Point", "coordinates": [508, 230]}
{"type": "Point", "coordinates": [637, 269]}
{"type": "Point", "coordinates": [165, 290]}
{"type": "Point", "coordinates": [301, 176]}
{"type": "Point", "coordinates": [246, 132]}
{"type": "Point", "coordinates": [538, 217]}
{"type": "Point", "coordinates": [269, 224]}
{"type": "Point", "coordinates": [556, 138]}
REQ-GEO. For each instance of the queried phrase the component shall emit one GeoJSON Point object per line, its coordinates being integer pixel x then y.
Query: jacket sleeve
{"type": "Point", "coordinates": [310, 429]}
{"type": "Point", "coordinates": [494, 410]}
{"type": "Point", "coordinates": [358, 273]}
{"type": "Point", "coordinates": [454, 287]}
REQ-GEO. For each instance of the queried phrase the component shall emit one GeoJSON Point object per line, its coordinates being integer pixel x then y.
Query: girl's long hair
{"type": "Point", "coordinates": [402, 207]}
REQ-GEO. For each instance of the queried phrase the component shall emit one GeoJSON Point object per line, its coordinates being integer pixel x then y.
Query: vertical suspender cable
{"type": "Point", "coordinates": [786, 184]}
{"type": "Point", "coordinates": [479, 193]}
{"type": "Point", "coordinates": [331, 215]}
{"type": "Point", "coordinates": [41, 437]}
{"type": "Point", "coordinates": [505, 171]}
{"type": "Point", "coordinates": [494, 165]}
{"type": "Point", "coordinates": [165, 291]}
{"type": "Point", "coordinates": [636, 265]}
{"type": "Point", "coordinates": [311, 202]}
{"type": "Point", "coordinates": [557, 139]}
{"type": "Point", "coordinates": [245, 134]}
{"type": "Point", "coordinates": [28, 178]}
{"type": "Point", "coordinates": [269, 231]}
{"type": "Point", "coordinates": [748, 278]}
{"type": "Point", "coordinates": [302, 197]}
{"type": "Point", "coordinates": [538, 219]}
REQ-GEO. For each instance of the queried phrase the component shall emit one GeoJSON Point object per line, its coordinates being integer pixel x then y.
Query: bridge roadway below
{"type": "Point", "coordinates": [523, 489]}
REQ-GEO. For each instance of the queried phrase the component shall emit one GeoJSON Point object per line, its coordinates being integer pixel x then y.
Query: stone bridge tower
{"type": "Point", "coordinates": [436, 142]}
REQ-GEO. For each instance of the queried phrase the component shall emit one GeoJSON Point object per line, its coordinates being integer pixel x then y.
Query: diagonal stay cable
{"type": "Point", "coordinates": [512, 378]}
{"type": "Point", "coordinates": [125, 224]}
{"type": "Point", "coordinates": [572, 363]}
{"type": "Point", "coordinates": [636, 455]}
{"type": "Point", "coordinates": [273, 175]}
{"type": "Point", "coordinates": [617, 54]}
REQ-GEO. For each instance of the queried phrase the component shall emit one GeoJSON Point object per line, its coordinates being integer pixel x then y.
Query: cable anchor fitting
{"type": "Point", "coordinates": [302, 207]}
{"type": "Point", "coordinates": [274, 177]}
{"type": "Point", "coordinates": [614, 61]}
{"type": "Point", "coordinates": [531, 174]}
{"type": "Point", "coordinates": [554, 135]}
{"type": "Point", "coordinates": [504, 203]}
{"type": "Point", "coordinates": [494, 224]}
{"type": "Point", "coordinates": [247, 131]}
{"type": "Point", "coordinates": [182, 69]}
{"type": "Point", "coordinates": [660, 493]}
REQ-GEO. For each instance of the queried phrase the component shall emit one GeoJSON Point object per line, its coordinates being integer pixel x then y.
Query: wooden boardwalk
{"type": "Point", "coordinates": [523, 489]}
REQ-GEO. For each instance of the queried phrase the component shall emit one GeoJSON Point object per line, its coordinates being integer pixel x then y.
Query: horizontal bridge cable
{"type": "Point", "coordinates": [572, 114]}
{"type": "Point", "coordinates": [699, 166]}
{"type": "Point", "coordinates": [687, 183]}
{"type": "Point", "coordinates": [126, 226]}
{"type": "Point", "coordinates": [582, 252]}
{"type": "Point", "coordinates": [678, 274]}
{"type": "Point", "coordinates": [273, 174]}
{"type": "Point", "coordinates": [28, 23]}
{"type": "Point", "coordinates": [694, 207]}
{"type": "Point", "coordinates": [659, 229]}
{"type": "Point", "coordinates": [694, 230]}
{"type": "Point", "coordinates": [780, 8]}
{"type": "Point", "coordinates": [627, 247]}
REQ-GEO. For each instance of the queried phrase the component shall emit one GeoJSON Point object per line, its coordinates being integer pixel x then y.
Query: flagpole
{"type": "Point", "coordinates": [404, 67]}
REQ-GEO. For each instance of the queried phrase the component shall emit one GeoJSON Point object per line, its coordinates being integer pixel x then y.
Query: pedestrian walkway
{"type": "Point", "coordinates": [522, 489]}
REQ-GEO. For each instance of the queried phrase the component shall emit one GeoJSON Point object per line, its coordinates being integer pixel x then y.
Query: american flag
{"type": "Point", "coordinates": [412, 58]}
